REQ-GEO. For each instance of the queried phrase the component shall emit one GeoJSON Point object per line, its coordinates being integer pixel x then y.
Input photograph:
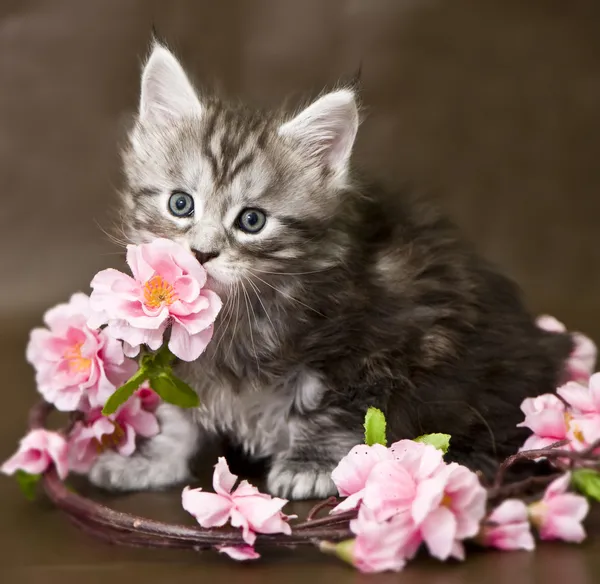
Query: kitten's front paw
{"type": "Point", "coordinates": [300, 480]}
{"type": "Point", "coordinates": [114, 472]}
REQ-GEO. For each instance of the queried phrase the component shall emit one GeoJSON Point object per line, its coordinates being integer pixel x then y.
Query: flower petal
{"type": "Point", "coordinates": [439, 531]}
{"type": "Point", "coordinates": [240, 553]}
{"type": "Point", "coordinates": [209, 509]}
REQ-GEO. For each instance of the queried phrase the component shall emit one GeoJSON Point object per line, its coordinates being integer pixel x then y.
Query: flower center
{"type": "Point", "coordinates": [446, 501]}
{"type": "Point", "coordinates": [77, 363]}
{"type": "Point", "coordinates": [158, 292]}
{"type": "Point", "coordinates": [577, 433]}
{"type": "Point", "coordinates": [110, 440]}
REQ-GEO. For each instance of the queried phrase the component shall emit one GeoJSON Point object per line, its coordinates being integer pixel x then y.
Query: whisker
{"type": "Point", "coordinates": [248, 309]}
{"type": "Point", "coordinates": [257, 294]}
{"type": "Point", "coordinates": [237, 319]}
{"type": "Point", "coordinates": [293, 273]}
{"type": "Point", "coordinates": [287, 295]}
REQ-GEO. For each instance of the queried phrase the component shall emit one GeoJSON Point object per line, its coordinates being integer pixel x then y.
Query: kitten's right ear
{"type": "Point", "coordinates": [166, 91]}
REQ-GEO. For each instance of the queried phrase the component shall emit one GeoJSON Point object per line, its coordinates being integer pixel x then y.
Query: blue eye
{"type": "Point", "coordinates": [251, 220]}
{"type": "Point", "coordinates": [181, 204]}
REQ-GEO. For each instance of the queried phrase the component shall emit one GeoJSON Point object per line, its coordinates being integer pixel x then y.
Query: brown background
{"type": "Point", "coordinates": [491, 105]}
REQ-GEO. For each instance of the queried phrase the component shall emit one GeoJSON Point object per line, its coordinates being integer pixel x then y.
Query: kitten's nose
{"type": "Point", "coordinates": [205, 256]}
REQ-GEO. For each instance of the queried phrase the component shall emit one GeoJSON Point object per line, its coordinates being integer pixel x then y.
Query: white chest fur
{"type": "Point", "coordinates": [260, 419]}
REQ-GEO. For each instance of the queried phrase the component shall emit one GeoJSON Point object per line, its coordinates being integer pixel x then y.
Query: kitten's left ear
{"type": "Point", "coordinates": [166, 91]}
{"type": "Point", "coordinates": [326, 129]}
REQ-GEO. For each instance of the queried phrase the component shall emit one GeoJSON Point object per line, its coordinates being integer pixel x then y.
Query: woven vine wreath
{"type": "Point", "coordinates": [104, 359]}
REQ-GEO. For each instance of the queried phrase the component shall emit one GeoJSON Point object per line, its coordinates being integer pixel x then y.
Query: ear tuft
{"type": "Point", "coordinates": [326, 129]}
{"type": "Point", "coordinates": [166, 91]}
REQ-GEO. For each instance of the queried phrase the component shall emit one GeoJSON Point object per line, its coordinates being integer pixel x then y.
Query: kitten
{"type": "Point", "coordinates": [338, 296]}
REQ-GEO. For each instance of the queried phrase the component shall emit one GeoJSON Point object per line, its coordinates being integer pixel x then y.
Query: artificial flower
{"type": "Point", "coordinates": [508, 528]}
{"type": "Point", "coordinates": [352, 472]}
{"type": "Point", "coordinates": [37, 451]}
{"type": "Point", "coordinates": [244, 507]}
{"type": "Point", "coordinates": [96, 433]}
{"type": "Point", "coordinates": [547, 418]}
{"type": "Point", "coordinates": [559, 514]}
{"type": "Point", "coordinates": [582, 361]}
{"type": "Point", "coordinates": [241, 553]}
{"type": "Point", "coordinates": [74, 362]}
{"type": "Point", "coordinates": [167, 288]}
{"type": "Point", "coordinates": [381, 545]}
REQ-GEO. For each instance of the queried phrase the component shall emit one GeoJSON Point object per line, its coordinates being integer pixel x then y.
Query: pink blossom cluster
{"type": "Point", "coordinates": [558, 515]}
{"type": "Point", "coordinates": [83, 354]}
{"type": "Point", "coordinates": [572, 415]}
{"type": "Point", "coordinates": [407, 496]}
{"type": "Point", "coordinates": [77, 369]}
{"type": "Point", "coordinates": [245, 507]}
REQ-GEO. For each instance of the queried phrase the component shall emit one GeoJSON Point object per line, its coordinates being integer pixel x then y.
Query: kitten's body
{"type": "Point", "coordinates": [353, 297]}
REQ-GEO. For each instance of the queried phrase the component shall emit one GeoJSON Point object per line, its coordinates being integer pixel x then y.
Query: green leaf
{"type": "Point", "coordinates": [174, 391]}
{"type": "Point", "coordinates": [28, 483]}
{"type": "Point", "coordinates": [440, 441]}
{"type": "Point", "coordinates": [375, 427]}
{"type": "Point", "coordinates": [163, 359]}
{"type": "Point", "coordinates": [587, 481]}
{"type": "Point", "coordinates": [121, 395]}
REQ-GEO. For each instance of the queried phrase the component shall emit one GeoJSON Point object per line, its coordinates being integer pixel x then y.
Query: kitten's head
{"type": "Point", "coordinates": [252, 194]}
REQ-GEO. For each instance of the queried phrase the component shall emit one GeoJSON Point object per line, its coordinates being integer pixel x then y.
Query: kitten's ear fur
{"type": "Point", "coordinates": [166, 92]}
{"type": "Point", "coordinates": [326, 129]}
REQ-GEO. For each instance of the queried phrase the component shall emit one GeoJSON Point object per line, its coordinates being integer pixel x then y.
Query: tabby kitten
{"type": "Point", "coordinates": [338, 296]}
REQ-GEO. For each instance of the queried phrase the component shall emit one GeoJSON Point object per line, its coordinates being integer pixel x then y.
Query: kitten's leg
{"type": "Point", "coordinates": [160, 461]}
{"type": "Point", "coordinates": [304, 470]}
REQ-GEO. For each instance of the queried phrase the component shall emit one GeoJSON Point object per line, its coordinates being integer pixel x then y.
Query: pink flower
{"type": "Point", "coordinates": [583, 419]}
{"type": "Point", "coordinates": [166, 289]}
{"type": "Point", "coordinates": [441, 503]}
{"type": "Point", "coordinates": [352, 472]}
{"type": "Point", "coordinates": [74, 362]}
{"type": "Point", "coordinates": [382, 545]}
{"type": "Point", "coordinates": [582, 361]}
{"type": "Point", "coordinates": [546, 417]}
{"type": "Point", "coordinates": [245, 507]}
{"type": "Point", "coordinates": [37, 451]}
{"type": "Point", "coordinates": [507, 527]}
{"type": "Point", "coordinates": [96, 433]}
{"type": "Point", "coordinates": [241, 553]}
{"type": "Point", "coordinates": [559, 514]}
{"type": "Point", "coordinates": [448, 508]}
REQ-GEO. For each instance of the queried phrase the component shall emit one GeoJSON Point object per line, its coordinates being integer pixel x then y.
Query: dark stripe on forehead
{"type": "Point", "coordinates": [145, 192]}
{"type": "Point", "coordinates": [207, 138]}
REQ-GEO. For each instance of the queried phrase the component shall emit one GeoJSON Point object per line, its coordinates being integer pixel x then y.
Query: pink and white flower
{"type": "Point", "coordinates": [73, 362]}
{"type": "Point", "coordinates": [96, 433]}
{"type": "Point", "coordinates": [440, 504]}
{"type": "Point", "coordinates": [559, 514]}
{"type": "Point", "coordinates": [351, 474]}
{"type": "Point", "coordinates": [582, 361]}
{"type": "Point", "coordinates": [37, 451]}
{"type": "Point", "coordinates": [167, 288]}
{"type": "Point", "coordinates": [244, 507]}
{"type": "Point", "coordinates": [382, 545]}
{"type": "Point", "coordinates": [547, 418]}
{"type": "Point", "coordinates": [508, 528]}
{"type": "Point", "coordinates": [240, 553]}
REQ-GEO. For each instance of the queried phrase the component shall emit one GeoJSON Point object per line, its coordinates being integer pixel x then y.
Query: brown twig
{"type": "Point", "coordinates": [127, 529]}
{"type": "Point", "coordinates": [331, 502]}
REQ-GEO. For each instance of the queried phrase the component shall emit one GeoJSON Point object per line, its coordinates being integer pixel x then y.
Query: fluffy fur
{"type": "Point", "coordinates": [351, 296]}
